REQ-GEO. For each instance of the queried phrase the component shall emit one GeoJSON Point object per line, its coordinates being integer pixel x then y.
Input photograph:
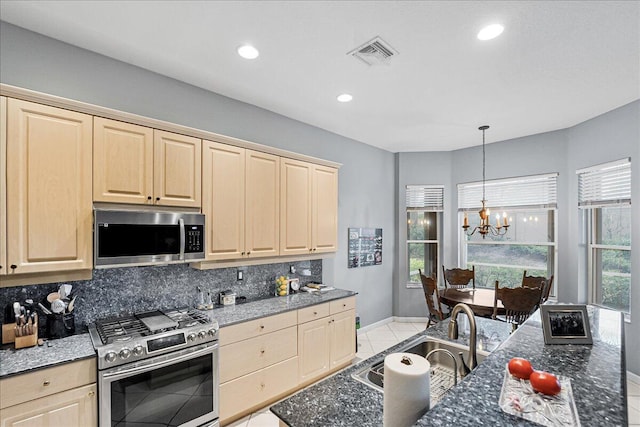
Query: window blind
{"type": "Point", "coordinates": [535, 191]}
{"type": "Point", "coordinates": [605, 184]}
{"type": "Point", "coordinates": [425, 197]}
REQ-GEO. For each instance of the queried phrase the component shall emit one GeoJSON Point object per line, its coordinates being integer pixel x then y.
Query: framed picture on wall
{"type": "Point", "coordinates": [365, 247]}
{"type": "Point", "coordinates": [565, 324]}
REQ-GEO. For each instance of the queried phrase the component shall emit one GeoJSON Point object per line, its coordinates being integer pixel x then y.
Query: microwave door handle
{"type": "Point", "coordinates": [182, 238]}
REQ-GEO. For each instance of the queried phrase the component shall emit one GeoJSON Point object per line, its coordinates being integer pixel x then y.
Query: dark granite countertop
{"type": "Point", "coordinates": [76, 347]}
{"type": "Point", "coordinates": [231, 314]}
{"type": "Point", "coordinates": [597, 375]}
{"type": "Point", "coordinates": [52, 353]}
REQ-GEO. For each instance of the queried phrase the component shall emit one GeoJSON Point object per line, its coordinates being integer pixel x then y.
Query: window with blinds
{"type": "Point", "coordinates": [605, 184]}
{"type": "Point", "coordinates": [425, 197]}
{"type": "Point", "coordinates": [604, 197]}
{"type": "Point", "coordinates": [536, 191]}
{"type": "Point", "coordinates": [424, 204]}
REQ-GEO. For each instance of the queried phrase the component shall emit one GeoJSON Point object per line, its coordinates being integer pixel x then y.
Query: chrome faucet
{"type": "Point", "coordinates": [453, 335]}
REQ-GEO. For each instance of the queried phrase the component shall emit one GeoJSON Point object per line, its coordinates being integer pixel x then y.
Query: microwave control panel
{"type": "Point", "coordinates": [194, 238]}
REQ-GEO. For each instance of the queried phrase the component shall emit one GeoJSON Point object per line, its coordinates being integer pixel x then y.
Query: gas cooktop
{"type": "Point", "coordinates": [124, 339]}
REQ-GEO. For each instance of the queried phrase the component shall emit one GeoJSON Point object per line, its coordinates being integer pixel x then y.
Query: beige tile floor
{"type": "Point", "coordinates": [385, 336]}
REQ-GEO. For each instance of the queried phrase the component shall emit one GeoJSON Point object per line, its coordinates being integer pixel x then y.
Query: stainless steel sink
{"type": "Point", "coordinates": [443, 368]}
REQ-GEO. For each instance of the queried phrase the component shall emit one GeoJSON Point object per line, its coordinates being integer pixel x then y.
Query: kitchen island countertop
{"type": "Point", "coordinates": [597, 373]}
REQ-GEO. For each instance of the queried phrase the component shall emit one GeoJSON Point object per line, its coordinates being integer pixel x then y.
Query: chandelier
{"type": "Point", "coordinates": [485, 228]}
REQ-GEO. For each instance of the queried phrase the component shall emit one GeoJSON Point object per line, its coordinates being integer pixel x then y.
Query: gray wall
{"type": "Point", "coordinates": [366, 180]}
{"type": "Point", "coordinates": [608, 137]}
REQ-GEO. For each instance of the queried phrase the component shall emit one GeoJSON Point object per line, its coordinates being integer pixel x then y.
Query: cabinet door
{"type": "Point", "coordinates": [313, 348]}
{"type": "Point", "coordinates": [73, 408]}
{"type": "Point", "coordinates": [324, 231]}
{"type": "Point", "coordinates": [223, 180]}
{"type": "Point", "coordinates": [49, 208]}
{"type": "Point", "coordinates": [343, 338]}
{"type": "Point", "coordinates": [122, 162]}
{"type": "Point", "coordinates": [295, 207]}
{"type": "Point", "coordinates": [177, 169]}
{"type": "Point", "coordinates": [3, 185]}
{"type": "Point", "coordinates": [262, 199]}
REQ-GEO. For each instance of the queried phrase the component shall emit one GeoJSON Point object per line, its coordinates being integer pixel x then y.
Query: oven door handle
{"type": "Point", "coordinates": [182, 238]}
{"type": "Point", "coordinates": [114, 376]}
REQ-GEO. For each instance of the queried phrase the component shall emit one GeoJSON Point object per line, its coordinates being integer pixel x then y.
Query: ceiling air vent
{"type": "Point", "coordinates": [374, 52]}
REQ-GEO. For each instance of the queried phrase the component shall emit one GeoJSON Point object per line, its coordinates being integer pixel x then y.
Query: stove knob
{"type": "Point", "coordinates": [138, 350]}
{"type": "Point", "coordinates": [191, 337]}
{"type": "Point", "coordinates": [202, 335]}
{"type": "Point", "coordinates": [212, 332]}
{"type": "Point", "coordinates": [125, 353]}
{"type": "Point", "coordinates": [110, 357]}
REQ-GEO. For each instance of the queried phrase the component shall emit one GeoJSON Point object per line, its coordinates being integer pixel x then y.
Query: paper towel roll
{"type": "Point", "coordinates": [406, 389]}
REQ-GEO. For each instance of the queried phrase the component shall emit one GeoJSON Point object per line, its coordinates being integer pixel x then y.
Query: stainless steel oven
{"type": "Point", "coordinates": [154, 371]}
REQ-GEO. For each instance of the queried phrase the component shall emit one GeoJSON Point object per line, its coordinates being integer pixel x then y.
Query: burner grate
{"type": "Point", "coordinates": [121, 329]}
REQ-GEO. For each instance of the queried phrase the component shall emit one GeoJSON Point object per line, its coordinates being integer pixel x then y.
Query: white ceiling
{"type": "Point", "coordinates": [558, 63]}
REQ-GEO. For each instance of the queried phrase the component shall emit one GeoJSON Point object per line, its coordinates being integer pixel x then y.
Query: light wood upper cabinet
{"type": "Point", "coordinates": [140, 165]}
{"type": "Point", "coordinates": [177, 169]}
{"type": "Point", "coordinates": [49, 208]}
{"type": "Point", "coordinates": [324, 231]}
{"type": "Point", "coordinates": [295, 207]}
{"type": "Point", "coordinates": [122, 162]}
{"type": "Point", "coordinates": [3, 185]}
{"type": "Point", "coordinates": [309, 208]}
{"type": "Point", "coordinates": [240, 202]}
{"type": "Point", "coordinates": [223, 175]}
{"type": "Point", "coordinates": [262, 204]}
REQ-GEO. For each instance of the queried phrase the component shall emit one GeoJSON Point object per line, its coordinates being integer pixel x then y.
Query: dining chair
{"type": "Point", "coordinates": [458, 278]}
{"type": "Point", "coordinates": [519, 303]}
{"type": "Point", "coordinates": [430, 288]}
{"type": "Point", "coordinates": [538, 282]}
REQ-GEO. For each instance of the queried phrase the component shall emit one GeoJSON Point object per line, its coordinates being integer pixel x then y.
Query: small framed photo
{"type": "Point", "coordinates": [565, 324]}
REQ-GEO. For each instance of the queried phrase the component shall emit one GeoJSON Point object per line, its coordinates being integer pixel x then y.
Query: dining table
{"type": "Point", "coordinates": [479, 300]}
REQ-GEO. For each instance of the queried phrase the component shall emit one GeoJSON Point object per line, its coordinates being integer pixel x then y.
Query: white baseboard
{"type": "Point", "coordinates": [410, 319]}
{"type": "Point", "coordinates": [392, 319]}
{"type": "Point", "coordinates": [367, 328]}
{"type": "Point", "coordinates": [633, 377]}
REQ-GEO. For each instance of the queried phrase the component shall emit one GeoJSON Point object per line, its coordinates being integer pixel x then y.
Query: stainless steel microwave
{"type": "Point", "coordinates": [147, 237]}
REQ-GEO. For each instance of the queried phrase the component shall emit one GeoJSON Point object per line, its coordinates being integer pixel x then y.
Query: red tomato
{"type": "Point", "coordinates": [545, 383]}
{"type": "Point", "coordinates": [520, 368]}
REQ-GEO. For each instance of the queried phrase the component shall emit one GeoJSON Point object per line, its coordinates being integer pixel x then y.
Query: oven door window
{"type": "Point", "coordinates": [167, 396]}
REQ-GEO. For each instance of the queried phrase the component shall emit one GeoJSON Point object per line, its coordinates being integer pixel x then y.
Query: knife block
{"type": "Point", "coordinates": [27, 340]}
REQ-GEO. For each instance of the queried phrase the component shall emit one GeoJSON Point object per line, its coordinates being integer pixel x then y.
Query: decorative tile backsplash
{"type": "Point", "coordinates": [126, 290]}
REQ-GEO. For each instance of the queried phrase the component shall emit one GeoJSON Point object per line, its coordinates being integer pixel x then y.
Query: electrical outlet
{"type": "Point", "coordinates": [292, 269]}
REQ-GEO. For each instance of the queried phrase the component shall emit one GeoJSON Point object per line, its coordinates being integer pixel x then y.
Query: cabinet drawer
{"type": "Point", "coordinates": [250, 355]}
{"type": "Point", "coordinates": [312, 313]}
{"type": "Point", "coordinates": [44, 382]}
{"type": "Point", "coordinates": [258, 327]}
{"type": "Point", "coordinates": [343, 305]}
{"type": "Point", "coordinates": [250, 391]}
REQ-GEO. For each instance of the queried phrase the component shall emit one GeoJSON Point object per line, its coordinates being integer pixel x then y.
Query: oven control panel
{"type": "Point", "coordinates": [139, 348]}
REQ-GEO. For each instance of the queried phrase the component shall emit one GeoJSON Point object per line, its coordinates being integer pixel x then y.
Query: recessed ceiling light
{"type": "Point", "coordinates": [490, 32]}
{"type": "Point", "coordinates": [248, 52]}
{"type": "Point", "coordinates": [345, 97]}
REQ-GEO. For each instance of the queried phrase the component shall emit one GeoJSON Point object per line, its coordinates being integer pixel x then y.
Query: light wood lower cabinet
{"type": "Point", "coordinates": [326, 344]}
{"type": "Point", "coordinates": [76, 407]}
{"type": "Point", "coordinates": [63, 395]}
{"type": "Point", "coordinates": [264, 359]}
{"type": "Point", "coordinates": [257, 389]}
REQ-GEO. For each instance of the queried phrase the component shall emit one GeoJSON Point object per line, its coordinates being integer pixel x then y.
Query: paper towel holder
{"type": "Point", "coordinates": [406, 360]}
